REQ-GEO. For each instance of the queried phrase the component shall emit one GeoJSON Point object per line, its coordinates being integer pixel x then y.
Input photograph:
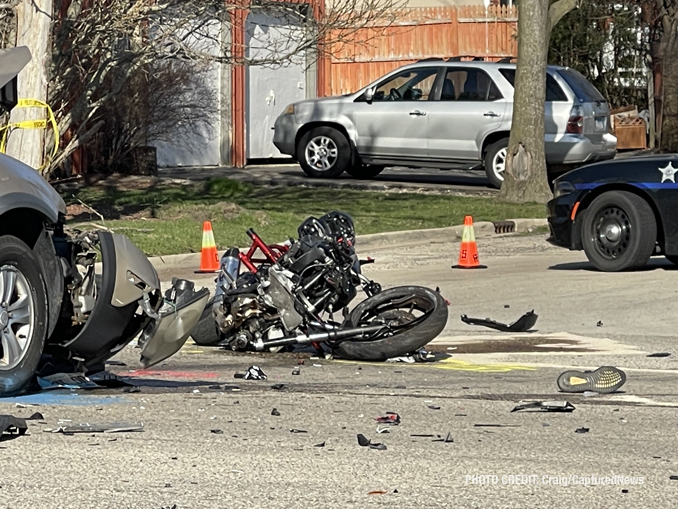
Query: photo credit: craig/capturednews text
{"type": "Point", "coordinates": [554, 480]}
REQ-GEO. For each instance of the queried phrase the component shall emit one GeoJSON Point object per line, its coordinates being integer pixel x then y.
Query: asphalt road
{"type": "Point", "coordinates": [256, 461]}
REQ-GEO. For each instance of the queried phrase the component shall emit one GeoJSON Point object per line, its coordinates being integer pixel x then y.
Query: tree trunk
{"type": "Point", "coordinates": [525, 175]}
{"type": "Point", "coordinates": [669, 133]}
{"type": "Point", "coordinates": [34, 28]}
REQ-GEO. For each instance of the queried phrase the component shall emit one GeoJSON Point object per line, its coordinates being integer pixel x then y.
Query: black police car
{"type": "Point", "coordinates": [620, 212]}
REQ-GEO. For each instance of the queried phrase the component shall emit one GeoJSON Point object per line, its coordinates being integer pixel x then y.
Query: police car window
{"type": "Point", "coordinates": [411, 85]}
{"type": "Point", "coordinates": [554, 91]}
{"type": "Point", "coordinates": [468, 84]}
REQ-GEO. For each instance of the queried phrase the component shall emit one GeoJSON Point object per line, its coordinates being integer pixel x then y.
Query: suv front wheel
{"type": "Point", "coordinates": [495, 162]}
{"type": "Point", "coordinates": [324, 152]}
{"type": "Point", "coordinates": [23, 314]}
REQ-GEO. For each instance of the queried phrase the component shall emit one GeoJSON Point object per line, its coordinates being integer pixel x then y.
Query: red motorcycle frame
{"type": "Point", "coordinates": [271, 252]}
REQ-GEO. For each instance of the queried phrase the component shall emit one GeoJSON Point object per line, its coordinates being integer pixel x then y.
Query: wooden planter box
{"type": "Point", "coordinates": [631, 133]}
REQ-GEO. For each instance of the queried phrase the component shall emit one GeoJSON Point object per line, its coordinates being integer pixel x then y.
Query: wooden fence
{"type": "Point", "coordinates": [417, 34]}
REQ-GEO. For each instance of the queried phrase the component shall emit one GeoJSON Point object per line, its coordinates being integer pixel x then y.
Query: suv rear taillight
{"type": "Point", "coordinates": [575, 124]}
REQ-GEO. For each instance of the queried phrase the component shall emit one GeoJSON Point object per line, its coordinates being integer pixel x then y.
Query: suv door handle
{"type": "Point", "coordinates": [491, 114]}
{"type": "Point", "coordinates": [418, 113]}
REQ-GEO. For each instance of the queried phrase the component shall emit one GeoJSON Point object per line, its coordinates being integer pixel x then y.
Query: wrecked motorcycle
{"type": "Point", "coordinates": [291, 298]}
{"type": "Point", "coordinates": [73, 300]}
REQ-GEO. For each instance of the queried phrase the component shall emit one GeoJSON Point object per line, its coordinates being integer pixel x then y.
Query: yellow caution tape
{"type": "Point", "coordinates": [33, 124]}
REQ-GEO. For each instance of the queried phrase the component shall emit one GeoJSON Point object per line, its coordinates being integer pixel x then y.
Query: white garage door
{"type": "Point", "coordinates": [271, 87]}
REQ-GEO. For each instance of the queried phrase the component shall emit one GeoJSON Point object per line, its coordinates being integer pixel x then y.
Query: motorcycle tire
{"type": "Point", "coordinates": [206, 333]}
{"type": "Point", "coordinates": [401, 342]}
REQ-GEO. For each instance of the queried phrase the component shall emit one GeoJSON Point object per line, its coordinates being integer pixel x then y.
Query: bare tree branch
{"type": "Point", "coordinates": [558, 10]}
{"type": "Point", "coordinates": [103, 47]}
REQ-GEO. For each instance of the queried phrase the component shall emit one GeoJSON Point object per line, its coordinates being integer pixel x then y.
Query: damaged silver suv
{"type": "Point", "coordinates": [59, 308]}
{"type": "Point", "coordinates": [441, 114]}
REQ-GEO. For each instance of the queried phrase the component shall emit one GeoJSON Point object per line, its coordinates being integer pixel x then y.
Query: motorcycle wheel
{"type": "Point", "coordinates": [400, 305]}
{"type": "Point", "coordinates": [205, 333]}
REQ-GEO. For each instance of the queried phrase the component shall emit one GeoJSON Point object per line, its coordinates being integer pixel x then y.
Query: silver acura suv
{"type": "Point", "coordinates": [442, 114]}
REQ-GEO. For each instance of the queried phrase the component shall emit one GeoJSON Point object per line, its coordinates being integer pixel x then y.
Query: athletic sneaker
{"type": "Point", "coordinates": [602, 380]}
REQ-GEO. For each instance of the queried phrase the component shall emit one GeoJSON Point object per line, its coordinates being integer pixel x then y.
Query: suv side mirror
{"type": "Point", "coordinates": [369, 94]}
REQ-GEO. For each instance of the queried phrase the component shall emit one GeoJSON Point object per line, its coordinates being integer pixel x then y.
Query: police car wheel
{"type": "Point", "coordinates": [619, 231]}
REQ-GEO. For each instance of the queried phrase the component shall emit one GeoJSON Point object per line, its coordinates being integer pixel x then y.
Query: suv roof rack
{"type": "Point", "coordinates": [459, 57]}
{"type": "Point", "coordinates": [471, 58]}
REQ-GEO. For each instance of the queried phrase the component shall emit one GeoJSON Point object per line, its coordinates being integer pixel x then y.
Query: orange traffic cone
{"type": "Point", "coordinates": [209, 259]}
{"type": "Point", "coordinates": [468, 254]}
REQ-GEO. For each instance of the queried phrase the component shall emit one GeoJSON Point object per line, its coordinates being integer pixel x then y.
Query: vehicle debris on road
{"type": "Point", "coordinates": [67, 381]}
{"type": "Point", "coordinates": [363, 441]}
{"type": "Point", "coordinates": [113, 427]}
{"type": "Point", "coordinates": [545, 406]}
{"type": "Point", "coordinates": [389, 418]}
{"type": "Point", "coordinates": [447, 439]}
{"type": "Point", "coordinates": [523, 324]}
{"type": "Point", "coordinates": [581, 430]}
{"type": "Point", "coordinates": [496, 425]}
{"type": "Point", "coordinates": [12, 425]}
{"type": "Point", "coordinates": [659, 354]}
{"type": "Point", "coordinates": [252, 373]}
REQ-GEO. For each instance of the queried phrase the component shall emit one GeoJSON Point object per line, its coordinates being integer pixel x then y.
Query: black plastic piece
{"type": "Point", "coordinates": [12, 425]}
{"type": "Point", "coordinates": [546, 406]}
{"type": "Point", "coordinates": [523, 324]}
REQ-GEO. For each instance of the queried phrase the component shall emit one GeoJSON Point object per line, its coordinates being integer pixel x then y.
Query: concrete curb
{"type": "Point", "coordinates": [382, 240]}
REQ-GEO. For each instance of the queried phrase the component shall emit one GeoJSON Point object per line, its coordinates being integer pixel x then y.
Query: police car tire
{"type": "Point", "coordinates": [643, 231]}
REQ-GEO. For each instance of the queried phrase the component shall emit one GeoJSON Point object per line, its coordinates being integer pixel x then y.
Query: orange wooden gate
{"type": "Point", "coordinates": [417, 34]}
{"type": "Point", "coordinates": [372, 52]}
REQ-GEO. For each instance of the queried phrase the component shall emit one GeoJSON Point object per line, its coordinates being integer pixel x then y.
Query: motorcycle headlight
{"type": "Point", "coordinates": [562, 188]}
{"type": "Point", "coordinates": [289, 110]}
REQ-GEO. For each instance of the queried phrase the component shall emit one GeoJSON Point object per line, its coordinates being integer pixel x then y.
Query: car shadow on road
{"type": "Point", "coordinates": [653, 264]}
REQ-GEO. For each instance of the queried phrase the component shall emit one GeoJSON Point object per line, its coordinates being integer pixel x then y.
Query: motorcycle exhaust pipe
{"type": "Point", "coordinates": [304, 339]}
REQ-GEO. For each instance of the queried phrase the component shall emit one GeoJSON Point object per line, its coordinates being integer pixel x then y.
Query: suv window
{"type": "Point", "coordinates": [410, 85]}
{"type": "Point", "coordinates": [468, 85]}
{"type": "Point", "coordinates": [582, 88]}
{"type": "Point", "coordinates": [554, 91]}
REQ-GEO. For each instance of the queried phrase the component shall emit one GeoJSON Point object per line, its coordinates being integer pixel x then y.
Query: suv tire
{"type": "Point", "coordinates": [364, 171]}
{"type": "Point", "coordinates": [324, 152]}
{"type": "Point", "coordinates": [619, 231]}
{"type": "Point", "coordinates": [23, 314]}
{"type": "Point", "coordinates": [495, 158]}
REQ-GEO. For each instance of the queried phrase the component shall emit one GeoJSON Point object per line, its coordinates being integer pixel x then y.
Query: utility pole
{"type": "Point", "coordinates": [34, 29]}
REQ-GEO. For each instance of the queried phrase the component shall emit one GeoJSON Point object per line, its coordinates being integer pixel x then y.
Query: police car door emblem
{"type": "Point", "coordinates": [669, 173]}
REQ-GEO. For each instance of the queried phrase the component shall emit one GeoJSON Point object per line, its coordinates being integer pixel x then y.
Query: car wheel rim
{"type": "Point", "coordinates": [17, 316]}
{"type": "Point", "coordinates": [612, 232]}
{"type": "Point", "coordinates": [321, 153]}
{"type": "Point", "coordinates": [499, 163]}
